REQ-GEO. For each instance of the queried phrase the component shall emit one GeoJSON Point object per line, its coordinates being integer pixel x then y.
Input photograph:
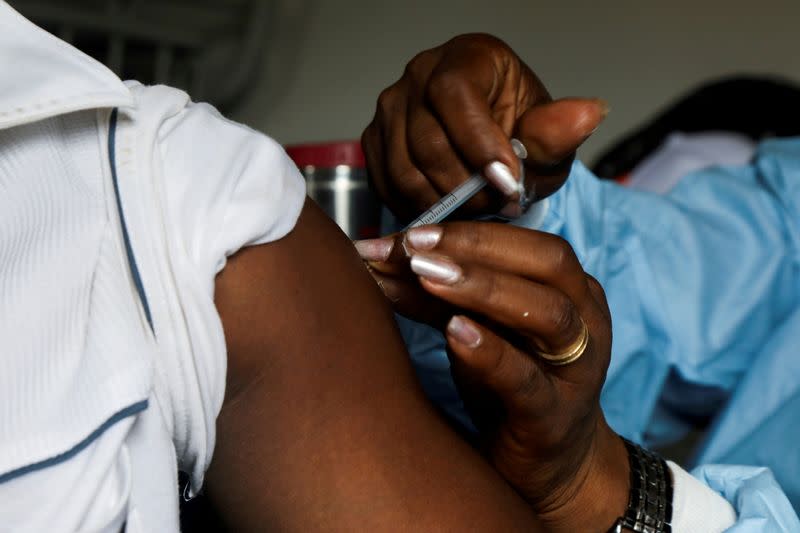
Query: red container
{"type": "Point", "coordinates": [336, 177]}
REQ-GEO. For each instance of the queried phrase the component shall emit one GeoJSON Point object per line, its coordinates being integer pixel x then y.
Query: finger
{"type": "Point", "coordinates": [552, 132]}
{"type": "Point", "coordinates": [599, 295]}
{"type": "Point", "coordinates": [474, 96]}
{"type": "Point", "coordinates": [380, 181]}
{"type": "Point", "coordinates": [432, 152]}
{"type": "Point", "coordinates": [428, 143]}
{"type": "Point", "coordinates": [378, 250]}
{"type": "Point", "coordinates": [487, 360]}
{"type": "Point", "coordinates": [409, 299]}
{"type": "Point", "coordinates": [387, 261]}
{"type": "Point", "coordinates": [372, 146]}
{"type": "Point", "coordinates": [401, 286]}
{"type": "Point", "coordinates": [389, 251]}
{"type": "Point", "coordinates": [539, 313]}
{"type": "Point", "coordinates": [534, 255]}
{"type": "Point", "coordinates": [403, 180]}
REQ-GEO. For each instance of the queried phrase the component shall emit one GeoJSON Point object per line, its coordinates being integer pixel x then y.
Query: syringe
{"type": "Point", "coordinates": [455, 198]}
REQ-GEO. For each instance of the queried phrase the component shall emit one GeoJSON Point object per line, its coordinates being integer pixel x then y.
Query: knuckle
{"type": "Point", "coordinates": [597, 289]}
{"type": "Point", "coordinates": [563, 257]}
{"type": "Point", "coordinates": [593, 283]}
{"type": "Point", "coordinates": [419, 66]}
{"type": "Point", "coordinates": [367, 135]}
{"type": "Point", "coordinates": [429, 144]}
{"type": "Point", "coordinates": [387, 100]}
{"type": "Point", "coordinates": [483, 41]}
{"type": "Point", "coordinates": [563, 315]}
{"type": "Point", "coordinates": [369, 140]}
{"type": "Point", "coordinates": [467, 237]}
{"type": "Point", "coordinates": [489, 290]}
{"type": "Point", "coordinates": [411, 180]}
{"type": "Point", "coordinates": [598, 294]}
{"type": "Point", "coordinates": [443, 84]}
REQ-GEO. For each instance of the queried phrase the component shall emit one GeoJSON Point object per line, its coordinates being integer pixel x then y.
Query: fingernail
{"type": "Point", "coordinates": [519, 149]}
{"type": "Point", "coordinates": [436, 270]}
{"type": "Point", "coordinates": [501, 175]}
{"type": "Point", "coordinates": [605, 108]}
{"type": "Point", "coordinates": [424, 238]}
{"type": "Point", "coordinates": [374, 249]}
{"type": "Point", "coordinates": [464, 332]}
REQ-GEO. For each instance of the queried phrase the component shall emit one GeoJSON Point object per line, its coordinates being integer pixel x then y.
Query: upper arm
{"type": "Point", "coordinates": [324, 426]}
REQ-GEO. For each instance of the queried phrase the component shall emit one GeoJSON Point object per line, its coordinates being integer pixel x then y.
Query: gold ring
{"type": "Point", "coordinates": [572, 353]}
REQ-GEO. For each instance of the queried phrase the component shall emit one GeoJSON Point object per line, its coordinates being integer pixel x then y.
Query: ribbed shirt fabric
{"type": "Point", "coordinates": [97, 408]}
{"type": "Point", "coordinates": [76, 353]}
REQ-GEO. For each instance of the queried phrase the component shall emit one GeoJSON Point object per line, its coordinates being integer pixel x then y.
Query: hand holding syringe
{"type": "Point", "coordinates": [458, 196]}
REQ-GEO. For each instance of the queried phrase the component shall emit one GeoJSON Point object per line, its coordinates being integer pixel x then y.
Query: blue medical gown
{"type": "Point", "coordinates": [704, 289]}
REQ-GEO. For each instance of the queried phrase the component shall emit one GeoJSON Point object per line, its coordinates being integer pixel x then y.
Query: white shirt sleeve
{"type": "Point", "coordinates": [217, 187]}
{"type": "Point", "coordinates": [228, 186]}
{"type": "Point", "coordinates": [696, 507]}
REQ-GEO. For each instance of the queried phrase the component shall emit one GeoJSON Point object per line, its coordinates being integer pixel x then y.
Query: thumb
{"type": "Point", "coordinates": [552, 132]}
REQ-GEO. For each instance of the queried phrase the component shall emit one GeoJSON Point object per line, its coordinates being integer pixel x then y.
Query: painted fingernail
{"type": "Point", "coordinates": [424, 238]}
{"type": "Point", "coordinates": [464, 332]}
{"type": "Point", "coordinates": [501, 175]}
{"type": "Point", "coordinates": [605, 109]}
{"type": "Point", "coordinates": [374, 249]}
{"type": "Point", "coordinates": [519, 149]}
{"type": "Point", "coordinates": [436, 270]}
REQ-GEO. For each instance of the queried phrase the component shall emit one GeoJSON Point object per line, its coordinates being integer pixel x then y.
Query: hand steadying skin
{"type": "Point", "coordinates": [499, 304]}
{"type": "Point", "coordinates": [500, 294]}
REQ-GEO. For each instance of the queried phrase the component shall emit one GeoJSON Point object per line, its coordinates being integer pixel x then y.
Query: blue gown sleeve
{"type": "Point", "coordinates": [760, 504]}
{"type": "Point", "coordinates": [697, 281]}
{"type": "Point", "coordinates": [703, 286]}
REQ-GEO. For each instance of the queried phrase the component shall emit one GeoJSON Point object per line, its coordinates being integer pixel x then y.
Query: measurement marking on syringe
{"type": "Point", "coordinates": [449, 203]}
{"type": "Point", "coordinates": [443, 206]}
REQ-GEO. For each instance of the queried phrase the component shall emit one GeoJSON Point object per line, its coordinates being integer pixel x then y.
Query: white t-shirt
{"type": "Point", "coordinates": [194, 188]}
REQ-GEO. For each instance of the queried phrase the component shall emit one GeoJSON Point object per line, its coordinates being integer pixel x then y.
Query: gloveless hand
{"type": "Point", "coordinates": [503, 296]}
{"type": "Point", "coordinates": [453, 112]}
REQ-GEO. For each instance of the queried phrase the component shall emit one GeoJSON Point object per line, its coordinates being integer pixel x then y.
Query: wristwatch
{"type": "Point", "coordinates": [650, 500]}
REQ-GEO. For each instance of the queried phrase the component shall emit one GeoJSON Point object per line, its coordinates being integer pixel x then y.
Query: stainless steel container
{"type": "Point", "coordinates": [336, 176]}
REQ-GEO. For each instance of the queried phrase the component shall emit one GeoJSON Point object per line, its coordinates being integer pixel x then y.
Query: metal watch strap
{"type": "Point", "coordinates": [650, 501]}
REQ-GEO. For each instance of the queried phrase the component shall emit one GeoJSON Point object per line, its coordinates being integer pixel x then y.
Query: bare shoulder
{"type": "Point", "coordinates": [324, 426]}
{"type": "Point", "coordinates": [297, 301]}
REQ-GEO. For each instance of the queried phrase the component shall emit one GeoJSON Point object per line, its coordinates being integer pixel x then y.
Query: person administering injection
{"type": "Point", "coordinates": [507, 301]}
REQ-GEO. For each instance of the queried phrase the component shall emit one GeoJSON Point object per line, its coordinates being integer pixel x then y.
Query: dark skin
{"type": "Point", "coordinates": [324, 427]}
{"type": "Point", "coordinates": [453, 112]}
{"type": "Point", "coordinates": [520, 291]}
{"type": "Point", "coordinates": [540, 425]}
